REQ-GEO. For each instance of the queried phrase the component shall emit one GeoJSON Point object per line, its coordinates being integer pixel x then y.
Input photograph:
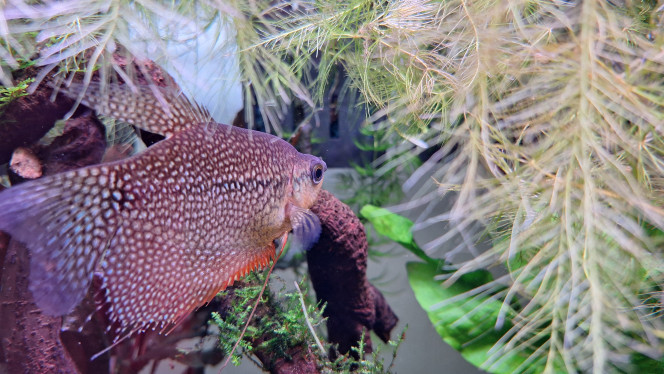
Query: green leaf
{"type": "Point", "coordinates": [371, 146]}
{"type": "Point", "coordinates": [395, 227]}
{"type": "Point", "coordinates": [644, 364]}
{"type": "Point", "coordinates": [363, 171]}
{"type": "Point", "coordinates": [469, 324]}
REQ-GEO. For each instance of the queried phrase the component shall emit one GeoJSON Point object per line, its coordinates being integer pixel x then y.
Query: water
{"type": "Point", "coordinates": [335, 129]}
{"type": "Point", "coordinates": [422, 351]}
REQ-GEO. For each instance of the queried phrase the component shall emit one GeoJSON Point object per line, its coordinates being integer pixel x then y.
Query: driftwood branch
{"type": "Point", "coordinates": [338, 265]}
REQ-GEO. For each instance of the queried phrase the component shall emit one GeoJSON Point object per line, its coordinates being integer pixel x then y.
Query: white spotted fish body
{"type": "Point", "coordinates": [168, 228]}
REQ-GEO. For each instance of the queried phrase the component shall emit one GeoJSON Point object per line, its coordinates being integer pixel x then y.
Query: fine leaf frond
{"type": "Point", "coordinates": [86, 36]}
{"type": "Point", "coordinates": [548, 117]}
{"type": "Point", "coordinates": [565, 147]}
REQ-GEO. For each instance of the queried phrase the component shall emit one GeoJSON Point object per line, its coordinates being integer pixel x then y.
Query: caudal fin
{"type": "Point", "coordinates": [65, 223]}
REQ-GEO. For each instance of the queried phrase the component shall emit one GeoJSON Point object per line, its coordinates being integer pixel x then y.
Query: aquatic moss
{"type": "Point", "coordinates": [279, 324]}
{"type": "Point", "coordinates": [280, 327]}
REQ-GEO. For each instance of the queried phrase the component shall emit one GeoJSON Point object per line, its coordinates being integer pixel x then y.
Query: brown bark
{"type": "Point", "coordinates": [28, 118]}
{"type": "Point", "coordinates": [82, 143]}
{"type": "Point", "coordinates": [337, 267]}
{"type": "Point", "coordinates": [30, 340]}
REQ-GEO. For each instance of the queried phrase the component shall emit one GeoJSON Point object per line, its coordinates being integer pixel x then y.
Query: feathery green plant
{"type": "Point", "coordinates": [278, 331]}
{"type": "Point", "coordinates": [90, 35]}
{"type": "Point", "coordinates": [476, 326]}
{"type": "Point", "coordinates": [548, 115]}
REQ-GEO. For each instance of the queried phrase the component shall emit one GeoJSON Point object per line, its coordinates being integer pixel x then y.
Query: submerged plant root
{"type": "Point", "coordinates": [337, 266]}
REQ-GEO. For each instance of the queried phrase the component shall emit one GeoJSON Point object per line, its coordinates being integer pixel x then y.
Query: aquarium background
{"type": "Point", "coordinates": [335, 130]}
{"type": "Point", "coordinates": [523, 139]}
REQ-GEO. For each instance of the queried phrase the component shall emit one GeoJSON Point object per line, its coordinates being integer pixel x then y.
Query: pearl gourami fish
{"type": "Point", "coordinates": [170, 227]}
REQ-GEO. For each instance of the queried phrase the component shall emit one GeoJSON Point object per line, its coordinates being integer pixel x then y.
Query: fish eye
{"type": "Point", "coordinates": [317, 173]}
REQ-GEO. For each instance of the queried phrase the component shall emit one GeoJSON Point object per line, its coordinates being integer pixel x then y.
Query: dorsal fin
{"type": "Point", "coordinates": [160, 110]}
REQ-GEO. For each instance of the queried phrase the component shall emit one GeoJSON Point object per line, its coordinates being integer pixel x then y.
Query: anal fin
{"type": "Point", "coordinates": [142, 294]}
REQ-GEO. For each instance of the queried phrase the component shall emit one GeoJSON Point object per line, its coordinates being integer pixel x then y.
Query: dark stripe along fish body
{"type": "Point", "coordinates": [168, 228]}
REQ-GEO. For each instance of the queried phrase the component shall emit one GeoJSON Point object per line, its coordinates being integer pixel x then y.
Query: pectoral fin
{"type": "Point", "coordinates": [306, 227]}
